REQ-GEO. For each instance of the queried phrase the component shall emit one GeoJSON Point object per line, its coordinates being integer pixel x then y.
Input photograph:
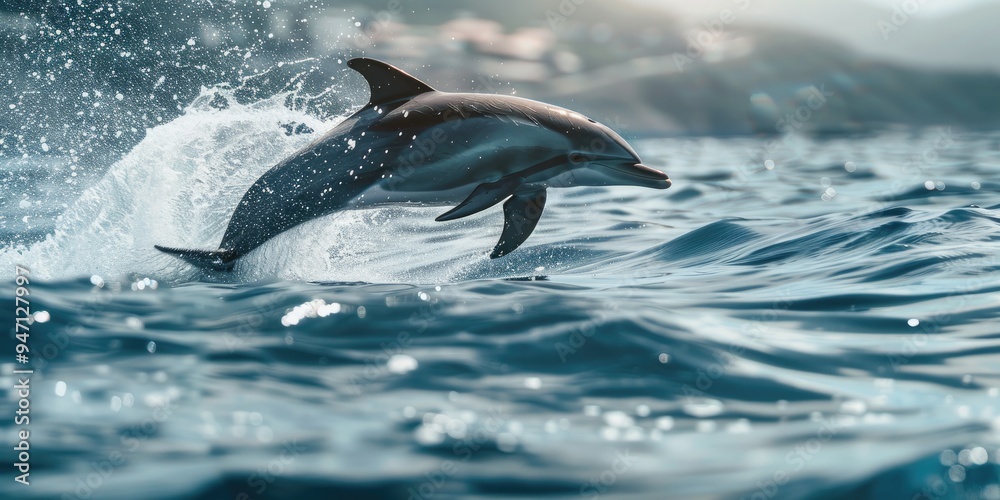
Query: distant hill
{"type": "Point", "coordinates": [754, 93]}
{"type": "Point", "coordinates": [960, 40]}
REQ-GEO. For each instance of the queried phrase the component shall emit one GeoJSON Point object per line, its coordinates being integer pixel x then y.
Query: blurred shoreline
{"type": "Point", "coordinates": [88, 80]}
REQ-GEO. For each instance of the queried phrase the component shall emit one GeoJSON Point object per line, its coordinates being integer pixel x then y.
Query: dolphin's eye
{"type": "Point", "coordinates": [577, 158]}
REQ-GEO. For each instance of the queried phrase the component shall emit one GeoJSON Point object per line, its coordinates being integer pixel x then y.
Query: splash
{"type": "Point", "coordinates": [179, 186]}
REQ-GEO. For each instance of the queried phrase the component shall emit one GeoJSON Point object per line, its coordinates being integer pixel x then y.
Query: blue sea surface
{"type": "Point", "coordinates": [794, 318]}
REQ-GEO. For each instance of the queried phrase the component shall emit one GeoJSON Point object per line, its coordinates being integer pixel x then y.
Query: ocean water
{"type": "Point", "coordinates": [794, 318]}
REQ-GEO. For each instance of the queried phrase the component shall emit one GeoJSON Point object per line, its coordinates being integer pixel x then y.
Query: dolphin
{"type": "Point", "coordinates": [415, 145]}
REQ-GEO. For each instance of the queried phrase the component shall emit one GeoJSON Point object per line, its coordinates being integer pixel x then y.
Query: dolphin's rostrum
{"type": "Point", "coordinates": [413, 144]}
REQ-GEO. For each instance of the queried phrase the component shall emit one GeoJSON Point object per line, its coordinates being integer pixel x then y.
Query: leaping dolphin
{"type": "Point", "coordinates": [413, 144]}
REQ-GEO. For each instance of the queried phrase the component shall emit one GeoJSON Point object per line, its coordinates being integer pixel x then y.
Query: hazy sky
{"type": "Point", "coordinates": [936, 6]}
{"type": "Point", "coordinates": [946, 35]}
{"type": "Point", "coordinates": [707, 7]}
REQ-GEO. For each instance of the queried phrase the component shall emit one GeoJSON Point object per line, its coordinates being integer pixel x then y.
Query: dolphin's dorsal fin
{"type": "Point", "coordinates": [388, 83]}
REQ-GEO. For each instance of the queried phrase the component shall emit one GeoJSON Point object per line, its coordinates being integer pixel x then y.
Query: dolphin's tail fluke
{"type": "Point", "coordinates": [216, 260]}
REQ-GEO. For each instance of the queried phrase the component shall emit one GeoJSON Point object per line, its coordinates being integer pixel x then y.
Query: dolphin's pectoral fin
{"type": "Point", "coordinates": [484, 196]}
{"type": "Point", "coordinates": [520, 216]}
{"type": "Point", "coordinates": [218, 260]}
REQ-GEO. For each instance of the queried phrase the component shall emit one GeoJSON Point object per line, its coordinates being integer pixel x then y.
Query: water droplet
{"type": "Point", "coordinates": [401, 364]}
{"type": "Point", "coordinates": [704, 408]}
{"type": "Point", "coordinates": [741, 426]}
{"type": "Point", "coordinates": [979, 455]}
{"type": "Point", "coordinates": [428, 435]}
{"type": "Point", "coordinates": [913, 322]}
{"type": "Point", "coordinates": [60, 388]}
{"type": "Point", "coordinates": [533, 383]}
{"type": "Point", "coordinates": [151, 347]}
{"type": "Point", "coordinates": [705, 426]}
{"type": "Point", "coordinates": [41, 317]}
{"type": "Point", "coordinates": [850, 166]}
{"type": "Point", "coordinates": [265, 434]}
{"type": "Point", "coordinates": [618, 419]}
{"type": "Point", "coordinates": [456, 428]}
{"type": "Point", "coordinates": [665, 423]}
{"type": "Point", "coordinates": [506, 442]}
{"type": "Point", "coordinates": [956, 473]}
{"type": "Point", "coordinates": [853, 407]}
{"type": "Point", "coordinates": [664, 358]}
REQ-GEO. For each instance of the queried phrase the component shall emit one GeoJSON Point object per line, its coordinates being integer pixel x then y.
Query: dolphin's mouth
{"type": "Point", "coordinates": [642, 175]}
